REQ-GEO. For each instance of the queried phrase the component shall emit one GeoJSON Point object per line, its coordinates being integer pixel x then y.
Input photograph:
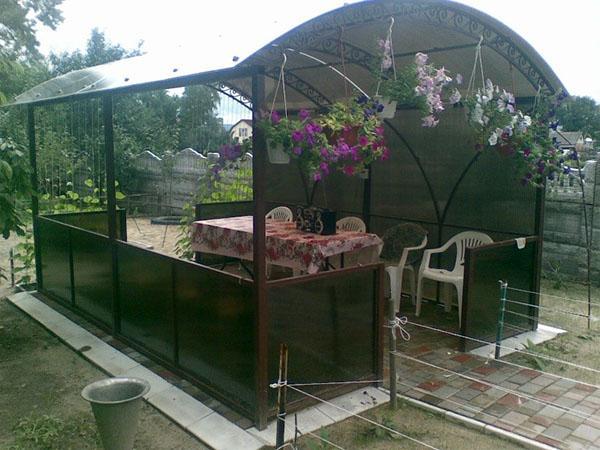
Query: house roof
{"type": "Point", "coordinates": [328, 55]}
{"type": "Point", "coordinates": [246, 121]}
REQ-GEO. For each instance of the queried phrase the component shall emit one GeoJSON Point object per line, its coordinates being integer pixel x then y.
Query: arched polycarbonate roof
{"type": "Point", "coordinates": [341, 41]}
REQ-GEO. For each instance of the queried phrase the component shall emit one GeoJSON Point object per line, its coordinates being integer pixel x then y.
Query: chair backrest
{"type": "Point", "coordinates": [468, 239]}
{"type": "Point", "coordinates": [397, 238]}
{"type": "Point", "coordinates": [281, 214]}
{"type": "Point", "coordinates": [351, 223]}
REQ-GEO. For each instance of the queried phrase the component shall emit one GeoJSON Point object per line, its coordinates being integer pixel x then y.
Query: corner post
{"type": "Point", "coordinates": [259, 239]}
{"type": "Point", "coordinates": [111, 201]}
{"type": "Point", "coordinates": [35, 209]}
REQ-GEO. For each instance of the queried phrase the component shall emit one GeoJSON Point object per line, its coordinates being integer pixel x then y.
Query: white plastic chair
{"type": "Point", "coordinates": [404, 240]}
{"type": "Point", "coordinates": [280, 214]}
{"type": "Point", "coordinates": [454, 276]}
{"type": "Point", "coordinates": [351, 223]}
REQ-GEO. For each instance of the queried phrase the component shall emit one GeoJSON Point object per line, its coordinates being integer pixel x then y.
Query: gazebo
{"type": "Point", "coordinates": [222, 331]}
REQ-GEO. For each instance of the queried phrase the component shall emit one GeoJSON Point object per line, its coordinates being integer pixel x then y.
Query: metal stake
{"type": "Point", "coordinates": [500, 325]}
{"type": "Point", "coordinates": [281, 395]}
{"type": "Point", "coordinates": [393, 388]}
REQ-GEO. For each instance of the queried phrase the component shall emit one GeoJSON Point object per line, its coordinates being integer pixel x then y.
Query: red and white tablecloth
{"type": "Point", "coordinates": [285, 245]}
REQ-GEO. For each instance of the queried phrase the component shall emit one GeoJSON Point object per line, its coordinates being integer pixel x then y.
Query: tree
{"type": "Point", "coordinates": [201, 129]}
{"type": "Point", "coordinates": [98, 51]}
{"type": "Point", "coordinates": [18, 44]}
{"type": "Point", "coordinates": [580, 114]}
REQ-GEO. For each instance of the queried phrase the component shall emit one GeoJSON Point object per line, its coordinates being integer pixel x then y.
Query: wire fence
{"type": "Point", "coordinates": [529, 409]}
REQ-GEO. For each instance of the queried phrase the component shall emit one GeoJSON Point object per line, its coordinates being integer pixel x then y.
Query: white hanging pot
{"type": "Point", "coordinates": [389, 107]}
{"type": "Point", "coordinates": [277, 155]}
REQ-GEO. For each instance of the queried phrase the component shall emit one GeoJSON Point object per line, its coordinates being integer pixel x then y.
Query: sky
{"type": "Point", "coordinates": [563, 32]}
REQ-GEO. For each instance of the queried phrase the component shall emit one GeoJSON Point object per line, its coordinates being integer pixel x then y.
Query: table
{"type": "Point", "coordinates": [285, 245]}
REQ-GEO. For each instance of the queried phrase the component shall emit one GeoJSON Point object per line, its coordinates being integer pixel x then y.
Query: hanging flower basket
{"type": "Point", "coordinates": [277, 155]}
{"type": "Point", "coordinates": [389, 107]}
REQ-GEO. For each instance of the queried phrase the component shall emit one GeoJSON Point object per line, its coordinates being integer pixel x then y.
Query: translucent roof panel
{"type": "Point", "coordinates": [123, 74]}
{"type": "Point", "coordinates": [343, 40]}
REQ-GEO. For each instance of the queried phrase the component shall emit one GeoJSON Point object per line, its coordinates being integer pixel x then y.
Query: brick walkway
{"type": "Point", "coordinates": [496, 393]}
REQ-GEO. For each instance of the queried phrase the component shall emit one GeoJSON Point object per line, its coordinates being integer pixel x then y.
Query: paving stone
{"type": "Point", "coordinates": [482, 387]}
{"type": "Point", "coordinates": [496, 409]}
{"type": "Point", "coordinates": [498, 377]}
{"type": "Point", "coordinates": [514, 418]}
{"type": "Point", "coordinates": [587, 432]}
{"type": "Point", "coordinates": [446, 391]}
{"type": "Point", "coordinates": [551, 412]}
{"type": "Point", "coordinates": [485, 370]}
{"type": "Point", "coordinates": [581, 408]}
{"type": "Point", "coordinates": [509, 385]}
{"type": "Point", "coordinates": [519, 379]}
{"type": "Point", "coordinates": [511, 400]}
{"type": "Point", "coordinates": [543, 380]}
{"type": "Point", "coordinates": [569, 421]}
{"type": "Point", "coordinates": [431, 399]}
{"type": "Point", "coordinates": [548, 441]}
{"type": "Point", "coordinates": [576, 394]}
{"type": "Point", "coordinates": [565, 384]}
{"type": "Point", "coordinates": [462, 358]}
{"type": "Point", "coordinates": [431, 385]}
{"type": "Point", "coordinates": [557, 432]}
{"type": "Point", "coordinates": [567, 402]}
{"type": "Point", "coordinates": [467, 394]}
{"type": "Point", "coordinates": [530, 373]}
{"type": "Point", "coordinates": [415, 394]}
{"type": "Point", "coordinates": [580, 444]}
{"type": "Point", "coordinates": [530, 388]}
{"type": "Point", "coordinates": [541, 420]}
{"type": "Point", "coordinates": [529, 429]}
{"type": "Point", "coordinates": [482, 400]}
{"type": "Point", "coordinates": [532, 405]}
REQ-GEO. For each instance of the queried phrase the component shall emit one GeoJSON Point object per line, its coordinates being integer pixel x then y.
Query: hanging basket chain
{"type": "Point", "coordinates": [478, 60]}
{"type": "Point", "coordinates": [280, 82]}
{"type": "Point", "coordinates": [391, 47]}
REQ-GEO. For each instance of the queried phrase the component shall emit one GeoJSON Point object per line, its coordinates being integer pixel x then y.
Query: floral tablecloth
{"type": "Point", "coordinates": [285, 245]}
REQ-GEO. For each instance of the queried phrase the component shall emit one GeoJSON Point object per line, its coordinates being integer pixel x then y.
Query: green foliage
{"type": "Point", "coordinates": [48, 432]}
{"type": "Point", "coordinates": [580, 114]}
{"type": "Point", "coordinates": [200, 127]}
{"type": "Point", "coordinates": [24, 260]}
{"type": "Point", "coordinates": [402, 89]}
{"type": "Point", "coordinates": [98, 51]}
{"type": "Point", "coordinates": [235, 185]}
{"type": "Point", "coordinates": [71, 201]}
{"type": "Point", "coordinates": [555, 275]}
{"type": "Point", "coordinates": [15, 186]}
{"type": "Point", "coordinates": [18, 23]}
{"type": "Point", "coordinates": [538, 363]}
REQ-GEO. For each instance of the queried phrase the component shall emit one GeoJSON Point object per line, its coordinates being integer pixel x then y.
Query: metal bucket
{"type": "Point", "coordinates": [116, 406]}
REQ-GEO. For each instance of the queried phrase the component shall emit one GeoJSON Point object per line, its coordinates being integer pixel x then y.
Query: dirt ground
{"type": "Point", "coordinates": [42, 408]}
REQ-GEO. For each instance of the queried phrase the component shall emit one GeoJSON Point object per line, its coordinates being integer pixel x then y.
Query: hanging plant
{"type": "Point", "coordinates": [492, 112]}
{"type": "Point", "coordinates": [347, 138]}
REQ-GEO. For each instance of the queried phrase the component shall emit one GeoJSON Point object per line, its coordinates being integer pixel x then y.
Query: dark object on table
{"type": "Point", "coordinates": [315, 220]}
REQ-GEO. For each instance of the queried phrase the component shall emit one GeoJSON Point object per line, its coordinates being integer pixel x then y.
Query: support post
{"type": "Point", "coordinates": [111, 201]}
{"type": "Point", "coordinates": [260, 282]}
{"type": "Point", "coordinates": [281, 395]}
{"type": "Point", "coordinates": [392, 356]}
{"type": "Point", "coordinates": [35, 210]}
{"type": "Point", "coordinates": [500, 324]}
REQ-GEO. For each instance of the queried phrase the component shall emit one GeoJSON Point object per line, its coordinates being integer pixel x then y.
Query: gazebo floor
{"type": "Point", "coordinates": [430, 368]}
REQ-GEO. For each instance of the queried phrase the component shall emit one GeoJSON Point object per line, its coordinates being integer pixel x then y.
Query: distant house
{"type": "Point", "coordinates": [241, 130]}
{"type": "Point", "coordinates": [566, 141]}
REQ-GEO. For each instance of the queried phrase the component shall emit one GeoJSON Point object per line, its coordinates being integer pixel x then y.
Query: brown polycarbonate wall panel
{"type": "Point", "coordinates": [206, 211]}
{"type": "Point", "coordinates": [54, 247]}
{"type": "Point", "coordinates": [329, 326]}
{"type": "Point", "coordinates": [145, 299]}
{"type": "Point", "coordinates": [215, 331]}
{"type": "Point", "coordinates": [484, 267]}
{"type": "Point", "coordinates": [95, 221]}
{"type": "Point", "coordinates": [92, 275]}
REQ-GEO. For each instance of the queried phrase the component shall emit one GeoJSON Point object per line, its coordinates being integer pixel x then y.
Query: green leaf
{"type": "Point", "coordinates": [6, 170]}
{"type": "Point", "coordinates": [89, 183]}
{"type": "Point", "coordinates": [119, 195]}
